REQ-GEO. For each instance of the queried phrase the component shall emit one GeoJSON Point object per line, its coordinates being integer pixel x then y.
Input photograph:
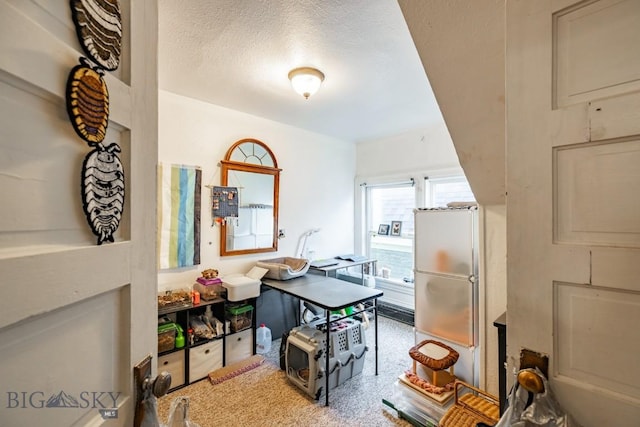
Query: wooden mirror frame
{"type": "Point", "coordinates": [230, 165]}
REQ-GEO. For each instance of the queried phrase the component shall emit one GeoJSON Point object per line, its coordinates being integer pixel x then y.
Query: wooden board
{"type": "Point", "coordinates": [235, 369]}
{"type": "Point", "coordinates": [440, 399]}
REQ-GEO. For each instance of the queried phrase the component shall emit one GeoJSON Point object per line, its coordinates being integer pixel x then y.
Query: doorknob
{"type": "Point", "coordinates": [159, 386]}
{"type": "Point", "coordinates": [145, 387]}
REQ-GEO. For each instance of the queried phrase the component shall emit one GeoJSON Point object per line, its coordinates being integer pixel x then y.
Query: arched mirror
{"type": "Point", "coordinates": [250, 166]}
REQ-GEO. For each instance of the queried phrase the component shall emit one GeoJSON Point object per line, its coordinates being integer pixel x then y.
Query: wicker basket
{"type": "Point", "coordinates": [470, 409]}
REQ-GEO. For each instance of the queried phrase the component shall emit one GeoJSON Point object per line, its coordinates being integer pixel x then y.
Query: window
{"type": "Point", "coordinates": [440, 191]}
{"type": "Point", "coordinates": [389, 222]}
{"type": "Point", "coordinates": [388, 218]}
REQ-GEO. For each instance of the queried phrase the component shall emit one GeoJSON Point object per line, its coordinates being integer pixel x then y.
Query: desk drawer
{"type": "Point", "coordinates": [174, 364]}
{"type": "Point", "coordinates": [239, 346]}
{"type": "Point", "coordinates": [204, 359]}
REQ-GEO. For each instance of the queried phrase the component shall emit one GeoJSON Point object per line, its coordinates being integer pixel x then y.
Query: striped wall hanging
{"type": "Point", "coordinates": [179, 210]}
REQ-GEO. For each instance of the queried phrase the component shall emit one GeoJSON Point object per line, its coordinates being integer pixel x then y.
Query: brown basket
{"type": "Point", "coordinates": [435, 364]}
{"type": "Point", "coordinates": [471, 408]}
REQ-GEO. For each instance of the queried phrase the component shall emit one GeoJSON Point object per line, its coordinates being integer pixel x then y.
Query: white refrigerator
{"type": "Point", "coordinates": [446, 283]}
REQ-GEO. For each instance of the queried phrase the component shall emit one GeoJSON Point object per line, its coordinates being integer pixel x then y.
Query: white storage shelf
{"type": "Point", "coordinates": [196, 360]}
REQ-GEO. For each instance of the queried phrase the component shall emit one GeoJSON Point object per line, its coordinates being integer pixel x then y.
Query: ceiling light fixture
{"type": "Point", "coordinates": [306, 80]}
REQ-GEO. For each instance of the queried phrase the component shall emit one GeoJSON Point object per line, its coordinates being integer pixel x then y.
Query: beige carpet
{"type": "Point", "coordinates": [264, 397]}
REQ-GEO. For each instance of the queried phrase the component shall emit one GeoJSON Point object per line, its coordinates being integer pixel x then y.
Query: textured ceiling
{"type": "Point", "coordinates": [237, 53]}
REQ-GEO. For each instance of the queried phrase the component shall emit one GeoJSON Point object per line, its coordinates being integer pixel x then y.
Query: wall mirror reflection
{"type": "Point", "coordinates": [250, 166]}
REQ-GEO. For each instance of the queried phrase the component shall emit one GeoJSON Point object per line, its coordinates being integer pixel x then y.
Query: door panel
{"type": "Point", "coordinates": [48, 346]}
{"type": "Point", "coordinates": [444, 241]}
{"type": "Point", "coordinates": [74, 317]}
{"type": "Point", "coordinates": [595, 47]}
{"type": "Point", "coordinates": [444, 307]}
{"type": "Point", "coordinates": [596, 210]}
{"type": "Point", "coordinates": [586, 317]}
{"type": "Point", "coordinates": [572, 235]}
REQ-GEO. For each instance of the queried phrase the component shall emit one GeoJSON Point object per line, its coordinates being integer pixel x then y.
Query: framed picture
{"type": "Point", "coordinates": [383, 229]}
{"type": "Point", "coordinates": [396, 228]}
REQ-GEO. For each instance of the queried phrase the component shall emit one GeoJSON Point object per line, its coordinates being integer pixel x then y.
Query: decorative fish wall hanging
{"type": "Point", "coordinates": [103, 190]}
{"type": "Point", "coordinates": [88, 102]}
{"type": "Point", "coordinates": [99, 28]}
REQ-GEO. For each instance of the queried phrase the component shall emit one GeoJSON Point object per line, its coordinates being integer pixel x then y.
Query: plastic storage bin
{"type": "Point", "coordinates": [210, 291]}
{"type": "Point", "coordinates": [243, 286]}
{"type": "Point", "coordinates": [166, 337]}
{"type": "Point", "coordinates": [239, 317]}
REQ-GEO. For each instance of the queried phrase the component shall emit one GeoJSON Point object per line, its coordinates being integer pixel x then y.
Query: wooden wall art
{"type": "Point", "coordinates": [99, 28]}
{"type": "Point", "coordinates": [103, 190]}
{"type": "Point", "coordinates": [88, 102]}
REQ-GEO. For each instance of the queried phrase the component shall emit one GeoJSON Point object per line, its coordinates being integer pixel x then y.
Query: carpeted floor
{"type": "Point", "coordinates": [264, 396]}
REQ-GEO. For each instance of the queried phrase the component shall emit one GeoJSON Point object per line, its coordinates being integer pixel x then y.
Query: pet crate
{"type": "Point", "coordinates": [306, 352]}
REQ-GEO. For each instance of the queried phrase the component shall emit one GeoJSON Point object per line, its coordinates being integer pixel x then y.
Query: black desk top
{"type": "Point", "coordinates": [342, 263]}
{"type": "Point", "coordinates": [325, 292]}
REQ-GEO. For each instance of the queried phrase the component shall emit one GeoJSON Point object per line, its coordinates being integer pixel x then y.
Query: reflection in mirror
{"type": "Point", "coordinates": [250, 166]}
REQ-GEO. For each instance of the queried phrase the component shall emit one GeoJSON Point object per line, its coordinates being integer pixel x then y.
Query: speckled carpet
{"type": "Point", "coordinates": [264, 396]}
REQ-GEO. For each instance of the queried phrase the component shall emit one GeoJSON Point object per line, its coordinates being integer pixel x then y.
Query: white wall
{"type": "Point", "coordinates": [461, 46]}
{"type": "Point", "coordinates": [413, 154]}
{"type": "Point", "coordinates": [493, 273]}
{"type": "Point", "coordinates": [423, 150]}
{"type": "Point", "coordinates": [316, 182]}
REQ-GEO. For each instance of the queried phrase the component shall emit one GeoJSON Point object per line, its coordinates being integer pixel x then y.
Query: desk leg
{"type": "Point", "coordinates": [375, 321]}
{"type": "Point", "coordinates": [326, 358]}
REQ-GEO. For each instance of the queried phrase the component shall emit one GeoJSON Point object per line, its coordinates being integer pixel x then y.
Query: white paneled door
{"type": "Point", "coordinates": [573, 205]}
{"type": "Point", "coordinates": [75, 316]}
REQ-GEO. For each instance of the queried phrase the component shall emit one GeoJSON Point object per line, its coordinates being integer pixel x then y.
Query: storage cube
{"type": "Point", "coordinates": [204, 359]}
{"type": "Point", "coordinates": [173, 363]}
{"type": "Point", "coordinates": [238, 346]}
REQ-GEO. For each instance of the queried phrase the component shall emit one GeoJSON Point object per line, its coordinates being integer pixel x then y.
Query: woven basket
{"type": "Point", "coordinates": [471, 408]}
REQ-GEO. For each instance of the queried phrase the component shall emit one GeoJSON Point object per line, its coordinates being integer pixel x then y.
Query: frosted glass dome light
{"type": "Point", "coordinates": [306, 80]}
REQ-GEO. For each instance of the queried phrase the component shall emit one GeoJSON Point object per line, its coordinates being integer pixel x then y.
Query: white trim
{"type": "Point", "coordinates": [401, 295]}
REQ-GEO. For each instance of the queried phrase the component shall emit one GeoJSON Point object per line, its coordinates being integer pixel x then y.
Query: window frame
{"type": "Point", "coordinates": [431, 182]}
{"type": "Point", "coordinates": [369, 229]}
{"type": "Point", "coordinates": [422, 199]}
